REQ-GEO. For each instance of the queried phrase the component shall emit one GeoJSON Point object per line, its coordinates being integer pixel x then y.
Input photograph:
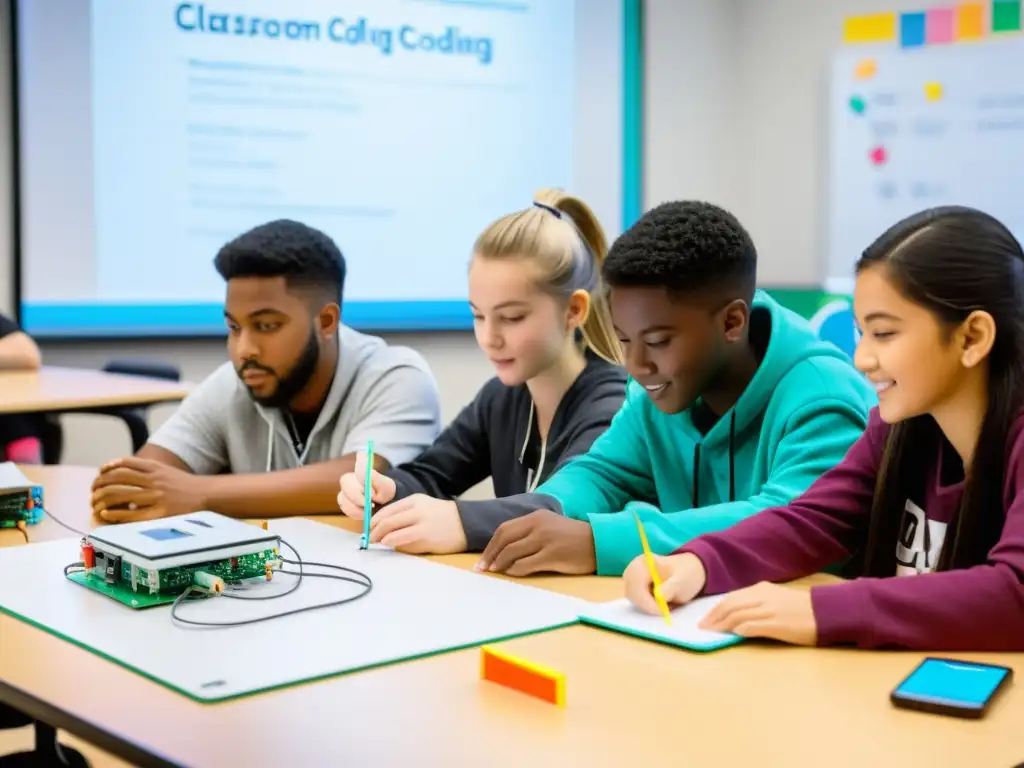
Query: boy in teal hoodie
{"type": "Point", "coordinates": [733, 406]}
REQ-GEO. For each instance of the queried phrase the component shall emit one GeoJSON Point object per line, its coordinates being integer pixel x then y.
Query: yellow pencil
{"type": "Point", "coordinates": [654, 571]}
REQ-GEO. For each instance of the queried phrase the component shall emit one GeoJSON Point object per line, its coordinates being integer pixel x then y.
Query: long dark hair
{"type": "Point", "coordinates": [952, 261]}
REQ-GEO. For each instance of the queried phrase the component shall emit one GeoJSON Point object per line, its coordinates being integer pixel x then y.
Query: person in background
{"type": "Point", "coordinates": [930, 501]}
{"type": "Point", "coordinates": [19, 433]}
{"type": "Point", "coordinates": [541, 317]}
{"type": "Point", "coordinates": [268, 433]}
{"type": "Point", "coordinates": [734, 406]}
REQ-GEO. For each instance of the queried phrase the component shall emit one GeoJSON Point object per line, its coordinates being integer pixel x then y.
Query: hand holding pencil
{"type": "Point", "coordinates": [352, 499]}
{"type": "Point", "coordinates": [682, 578]}
{"type": "Point", "coordinates": [652, 569]}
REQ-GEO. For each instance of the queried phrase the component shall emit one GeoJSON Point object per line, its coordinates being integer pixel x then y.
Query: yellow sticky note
{"type": "Point", "coordinates": [873, 28]}
{"type": "Point", "coordinates": [933, 91]}
{"type": "Point", "coordinates": [866, 69]}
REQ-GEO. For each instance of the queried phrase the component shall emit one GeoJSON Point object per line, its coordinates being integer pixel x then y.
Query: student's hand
{"type": "Point", "coordinates": [766, 610]}
{"type": "Point", "coordinates": [419, 525]}
{"type": "Point", "coordinates": [131, 489]}
{"type": "Point", "coordinates": [542, 541]}
{"type": "Point", "coordinates": [682, 579]}
{"type": "Point", "coordinates": [352, 498]}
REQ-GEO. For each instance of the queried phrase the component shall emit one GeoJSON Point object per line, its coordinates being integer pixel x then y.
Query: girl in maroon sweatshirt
{"type": "Point", "coordinates": [928, 506]}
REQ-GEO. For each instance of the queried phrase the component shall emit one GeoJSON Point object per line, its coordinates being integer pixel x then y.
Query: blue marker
{"type": "Point", "coordinates": [367, 497]}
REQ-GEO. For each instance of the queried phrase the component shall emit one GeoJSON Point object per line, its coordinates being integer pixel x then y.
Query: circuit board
{"type": "Point", "coordinates": [120, 591]}
{"type": "Point", "coordinates": [24, 505]}
{"type": "Point", "coordinates": [139, 588]}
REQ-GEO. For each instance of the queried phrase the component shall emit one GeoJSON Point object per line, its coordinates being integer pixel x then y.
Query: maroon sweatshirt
{"type": "Point", "coordinates": [979, 608]}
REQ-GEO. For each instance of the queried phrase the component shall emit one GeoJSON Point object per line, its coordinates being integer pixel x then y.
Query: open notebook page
{"type": "Point", "coordinates": [623, 616]}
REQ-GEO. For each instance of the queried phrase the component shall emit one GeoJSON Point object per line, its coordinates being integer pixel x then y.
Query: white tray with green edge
{"type": "Point", "coordinates": [416, 608]}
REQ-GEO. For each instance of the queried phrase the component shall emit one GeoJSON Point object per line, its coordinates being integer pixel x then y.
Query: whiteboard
{"type": "Point", "coordinates": [948, 122]}
{"type": "Point", "coordinates": [416, 608]}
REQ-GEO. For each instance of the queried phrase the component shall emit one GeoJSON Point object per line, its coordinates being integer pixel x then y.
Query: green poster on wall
{"type": "Point", "coordinates": [830, 314]}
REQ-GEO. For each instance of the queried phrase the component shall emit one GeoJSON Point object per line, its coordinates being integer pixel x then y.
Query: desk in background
{"type": "Point", "coordinates": [71, 390]}
{"type": "Point", "coordinates": [629, 702]}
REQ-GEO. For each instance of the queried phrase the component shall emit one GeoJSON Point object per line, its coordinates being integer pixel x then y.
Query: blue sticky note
{"type": "Point", "coordinates": [912, 29]}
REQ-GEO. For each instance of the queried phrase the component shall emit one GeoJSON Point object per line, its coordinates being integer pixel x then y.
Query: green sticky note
{"type": "Point", "coordinates": [857, 105]}
{"type": "Point", "coordinates": [1006, 16]}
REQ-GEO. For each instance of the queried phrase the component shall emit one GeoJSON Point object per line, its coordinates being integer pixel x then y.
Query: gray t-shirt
{"type": "Point", "coordinates": [379, 392]}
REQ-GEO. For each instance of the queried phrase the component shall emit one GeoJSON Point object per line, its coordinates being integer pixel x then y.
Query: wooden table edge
{"type": "Point", "coordinates": [140, 752]}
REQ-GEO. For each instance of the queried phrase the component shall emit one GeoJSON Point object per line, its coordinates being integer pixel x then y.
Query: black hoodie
{"type": "Point", "coordinates": [496, 436]}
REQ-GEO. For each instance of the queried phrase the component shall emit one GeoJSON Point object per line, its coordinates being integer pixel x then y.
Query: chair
{"type": "Point", "coordinates": [48, 752]}
{"type": "Point", "coordinates": [51, 436]}
{"type": "Point", "coordinates": [135, 417]}
{"type": "Point", "coordinates": [52, 433]}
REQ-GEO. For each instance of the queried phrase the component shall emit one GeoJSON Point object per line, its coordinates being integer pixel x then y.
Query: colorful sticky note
{"type": "Point", "coordinates": [970, 21]}
{"type": "Point", "coordinates": [912, 29]}
{"type": "Point", "coordinates": [866, 69]}
{"type": "Point", "coordinates": [1006, 16]}
{"type": "Point", "coordinates": [933, 91]}
{"type": "Point", "coordinates": [857, 104]}
{"type": "Point", "coordinates": [939, 26]}
{"type": "Point", "coordinates": [878, 156]}
{"type": "Point", "coordinates": [874, 28]}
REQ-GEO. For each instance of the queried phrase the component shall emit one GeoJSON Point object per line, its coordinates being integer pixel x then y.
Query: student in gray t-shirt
{"type": "Point", "coordinates": [269, 433]}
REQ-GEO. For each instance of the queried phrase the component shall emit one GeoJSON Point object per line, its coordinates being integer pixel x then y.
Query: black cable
{"type": "Point", "coordinates": [76, 566]}
{"type": "Point", "coordinates": [61, 523]}
{"type": "Point", "coordinates": [357, 577]}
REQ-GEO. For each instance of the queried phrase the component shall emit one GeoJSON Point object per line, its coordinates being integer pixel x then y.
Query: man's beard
{"type": "Point", "coordinates": [291, 384]}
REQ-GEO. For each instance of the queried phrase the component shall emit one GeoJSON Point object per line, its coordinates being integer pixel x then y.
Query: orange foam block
{"type": "Point", "coordinates": [523, 676]}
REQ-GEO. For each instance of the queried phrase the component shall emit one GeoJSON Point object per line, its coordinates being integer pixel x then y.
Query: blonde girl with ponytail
{"type": "Point", "coordinates": [541, 316]}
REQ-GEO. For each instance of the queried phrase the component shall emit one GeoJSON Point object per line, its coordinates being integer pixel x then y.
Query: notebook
{"type": "Point", "coordinates": [623, 616]}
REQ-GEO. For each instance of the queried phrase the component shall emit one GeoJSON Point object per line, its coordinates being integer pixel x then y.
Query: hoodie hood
{"type": "Point", "coordinates": [801, 412]}
{"type": "Point", "coordinates": [785, 340]}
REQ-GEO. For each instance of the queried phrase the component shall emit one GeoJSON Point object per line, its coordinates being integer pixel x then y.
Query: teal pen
{"type": "Point", "coordinates": [367, 497]}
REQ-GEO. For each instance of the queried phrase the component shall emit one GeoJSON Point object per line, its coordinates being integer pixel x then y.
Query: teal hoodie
{"type": "Point", "coordinates": [805, 406]}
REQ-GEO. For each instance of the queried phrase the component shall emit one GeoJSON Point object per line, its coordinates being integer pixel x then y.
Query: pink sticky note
{"type": "Point", "coordinates": [939, 26]}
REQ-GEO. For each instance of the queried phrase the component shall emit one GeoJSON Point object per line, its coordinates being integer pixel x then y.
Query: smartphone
{"type": "Point", "coordinates": [951, 687]}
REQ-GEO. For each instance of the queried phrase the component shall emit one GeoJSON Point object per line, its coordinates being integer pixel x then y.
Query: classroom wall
{"type": "Point", "coordinates": [735, 114]}
{"type": "Point", "coordinates": [782, 51]}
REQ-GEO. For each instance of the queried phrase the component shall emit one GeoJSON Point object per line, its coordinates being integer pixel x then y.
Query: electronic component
{"type": "Point", "coordinates": [20, 500]}
{"type": "Point", "coordinates": [208, 581]}
{"type": "Point", "coordinates": [153, 562]}
{"type": "Point", "coordinates": [177, 585]}
{"type": "Point", "coordinates": [110, 567]}
{"type": "Point", "coordinates": [180, 559]}
{"type": "Point", "coordinates": [88, 555]}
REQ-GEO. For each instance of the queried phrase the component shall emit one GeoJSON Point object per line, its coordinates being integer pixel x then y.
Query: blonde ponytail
{"type": "Point", "coordinates": [561, 234]}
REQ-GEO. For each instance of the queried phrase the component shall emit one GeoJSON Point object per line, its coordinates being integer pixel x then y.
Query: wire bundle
{"type": "Point", "coordinates": [346, 574]}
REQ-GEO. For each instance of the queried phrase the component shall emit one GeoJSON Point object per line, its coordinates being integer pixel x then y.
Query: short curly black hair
{"type": "Point", "coordinates": [684, 247]}
{"type": "Point", "coordinates": [305, 257]}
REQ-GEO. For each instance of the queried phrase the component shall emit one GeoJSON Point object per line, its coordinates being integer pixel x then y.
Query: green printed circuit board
{"type": "Point", "coordinates": [23, 505]}
{"type": "Point", "coordinates": [140, 588]}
